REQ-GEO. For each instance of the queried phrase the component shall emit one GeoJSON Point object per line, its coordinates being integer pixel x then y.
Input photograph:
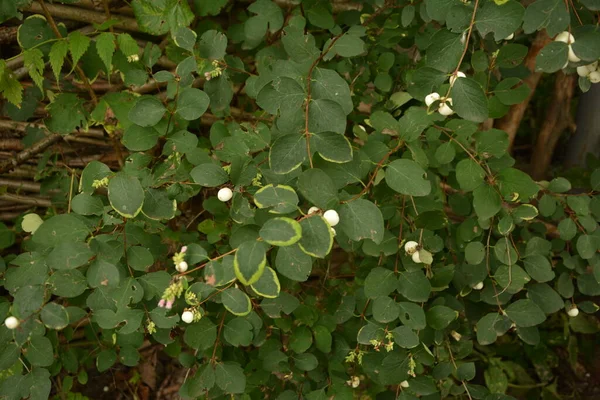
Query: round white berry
{"type": "Point", "coordinates": [416, 257]}
{"type": "Point", "coordinates": [411, 247]}
{"type": "Point", "coordinates": [510, 37]}
{"type": "Point", "coordinates": [453, 77]}
{"type": "Point", "coordinates": [445, 108]}
{"type": "Point", "coordinates": [564, 37]}
{"type": "Point", "coordinates": [225, 194]}
{"type": "Point", "coordinates": [583, 71]}
{"type": "Point", "coordinates": [594, 76]}
{"type": "Point", "coordinates": [11, 322]}
{"type": "Point", "coordinates": [313, 210]}
{"type": "Point", "coordinates": [573, 312]}
{"type": "Point", "coordinates": [572, 56]}
{"type": "Point", "coordinates": [431, 98]}
{"type": "Point", "coordinates": [479, 286]}
{"type": "Point", "coordinates": [404, 384]}
{"type": "Point", "coordinates": [182, 266]}
{"type": "Point", "coordinates": [187, 317]}
{"type": "Point", "coordinates": [332, 217]}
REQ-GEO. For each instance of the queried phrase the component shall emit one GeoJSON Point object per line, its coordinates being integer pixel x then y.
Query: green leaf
{"type": "Point", "coordinates": [587, 246]}
{"type": "Point", "coordinates": [405, 337]}
{"type": "Point", "coordinates": [191, 104]}
{"type": "Point", "coordinates": [587, 46]}
{"type": "Point", "coordinates": [95, 170]}
{"type": "Point", "coordinates": [249, 262]}
{"type": "Point", "coordinates": [380, 282]}
{"type": "Point", "coordinates": [281, 199]}
{"type": "Point", "coordinates": [293, 263]}
{"type": "Point", "coordinates": [469, 174]}
{"type": "Point", "coordinates": [268, 284]}
{"type": "Point", "coordinates": [545, 297]}
{"type": "Point", "coordinates": [332, 146]}
{"type": "Point", "coordinates": [486, 330]}
{"type": "Point", "coordinates": [525, 313]}
{"type": "Point", "coordinates": [185, 38]}
{"type": "Point", "coordinates": [212, 45]}
{"type": "Point", "coordinates": [349, 45]}
{"type": "Point", "coordinates": [317, 238]}
{"type": "Point", "coordinates": [238, 332]}
{"type": "Point", "coordinates": [445, 153]}
{"type": "Point", "coordinates": [444, 51]}
{"type": "Point", "coordinates": [69, 255]}
{"type": "Point", "coordinates": [552, 57]}
{"type": "Point", "coordinates": [78, 44]}
{"type": "Point", "coordinates": [486, 201]}
{"type": "Point", "coordinates": [158, 205]}
{"type": "Point", "coordinates": [230, 377]}
{"type": "Point", "coordinates": [157, 17]}
{"type": "Point", "coordinates": [106, 359]}
{"type": "Point", "coordinates": [66, 114]}
{"type": "Point", "coordinates": [501, 19]}
{"type": "Point", "coordinates": [318, 188]}
{"type": "Point", "coordinates": [407, 177]}
{"type": "Point", "coordinates": [268, 16]}
{"type": "Point", "coordinates": [414, 285]}
{"type": "Point", "coordinates": [360, 219]}
{"type": "Point", "coordinates": [54, 316]}
{"type": "Point", "coordinates": [57, 56]}
{"type": "Point", "coordinates": [301, 339]}
{"type": "Point", "coordinates": [67, 283]}
{"type": "Point", "coordinates": [147, 111]}
{"type": "Point", "coordinates": [39, 352]}
{"type": "Point", "coordinates": [539, 268]}
{"type": "Point", "coordinates": [385, 309]}
{"type": "Point", "coordinates": [281, 231]}
{"type": "Point", "coordinates": [466, 371]}
{"type": "Point", "coordinates": [326, 116]}
{"type": "Point", "coordinates": [439, 317]}
{"type": "Point", "coordinates": [328, 84]}
{"type": "Point", "coordinates": [105, 46]}
{"type": "Point", "coordinates": [512, 91]}
{"type": "Point", "coordinates": [469, 101]}
{"type": "Point", "coordinates": [549, 14]}
{"type": "Point", "coordinates": [59, 229]}
{"type": "Point", "coordinates": [126, 195]}
{"type": "Point", "coordinates": [139, 258]}
{"type": "Point", "coordinates": [209, 175]}
{"type": "Point", "coordinates": [287, 153]}
{"type": "Point", "coordinates": [474, 253]}
{"type": "Point", "coordinates": [201, 335]}
{"type": "Point", "coordinates": [516, 185]}
{"type": "Point", "coordinates": [236, 301]}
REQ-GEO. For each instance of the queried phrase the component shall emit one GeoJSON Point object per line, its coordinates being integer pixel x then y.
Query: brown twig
{"type": "Point", "coordinates": [87, 16]}
{"type": "Point", "coordinates": [30, 152]}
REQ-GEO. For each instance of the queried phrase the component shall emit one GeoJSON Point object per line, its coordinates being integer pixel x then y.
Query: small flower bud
{"type": "Point", "coordinates": [162, 303]}
{"type": "Point", "coordinates": [313, 210]}
{"type": "Point", "coordinates": [169, 304]}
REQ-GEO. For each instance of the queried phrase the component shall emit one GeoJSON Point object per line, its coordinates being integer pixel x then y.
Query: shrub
{"type": "Point", "coordinates": [311, 204]}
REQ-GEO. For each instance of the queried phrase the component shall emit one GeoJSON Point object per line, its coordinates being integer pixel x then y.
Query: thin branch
{"type": "Point", "coordinates": [88, 16]}
{"type": "Point", "coordinates": [30, 152]}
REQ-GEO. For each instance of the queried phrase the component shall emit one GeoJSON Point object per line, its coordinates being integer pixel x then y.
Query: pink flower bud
{"type": "Point", "coordinates": [169, 304]}
{"type": "Point", "coordinates": [161, 303]}
{"type": "Point", "coordinates": [183, 249]}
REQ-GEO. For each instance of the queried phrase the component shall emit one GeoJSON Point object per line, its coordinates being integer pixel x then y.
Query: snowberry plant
{"type": "Point", "coordinates": [300, 199]}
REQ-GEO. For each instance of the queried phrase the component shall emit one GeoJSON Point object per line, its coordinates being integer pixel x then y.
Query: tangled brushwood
{"type": "Point", "coordinates": [292, 199]}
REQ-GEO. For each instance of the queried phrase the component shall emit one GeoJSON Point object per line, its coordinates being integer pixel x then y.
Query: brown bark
{"type": "Point", "coordinates": [511, 121]}
{"type": "Point", "coordinates": [556, 119]}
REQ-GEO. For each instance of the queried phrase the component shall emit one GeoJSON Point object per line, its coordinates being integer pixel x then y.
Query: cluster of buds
{"type": "Point", "coordinates": [179, 260]}
{"type": "Point", "coordinates": [355, 356]}
{"type": "Point", "coordinates": [353, 382]}
{"type": "Point", "coordinates": [216, 72]}
{"type": "Point", "coordinates": [151, 326]}
{"type": "Point", "coordinates": [388, 345]}
{"type": "Point", "coordinates": [174, 291]}
{"type": "Point", "coordinates": [133, 58]}
{"type": "Point", "coordinates": [191, 298]}
{"type": "Point", "coordinates": [98, 183]}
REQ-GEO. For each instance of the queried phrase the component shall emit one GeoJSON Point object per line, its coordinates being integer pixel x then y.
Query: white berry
{"type": "Point", "coordinates": [594, 76]}
{"type": "Point", "coordinates": [572, 56]}
{"type": "Point", "coordinates": [510, 37]}
{"type": "Point", "coordinates": [225, 194]}
{"type": "Point", "coordinates": [431, 98]}
{"type": "Point", "coordinates": [453, 77]}
{"type": "Point", "coordinates": [411, 247]}
{"type": "Point", "coordinates": [573, 312]}
{"type": "Point", "coordinates": [332, 217]}
{"type": "Point", "coordinates": [313, 210]}
{"type": "Point", "coordinates": [404, 384]}
{"type": "Point", "coordinates": [583, 71]}
{"type": "Point", "coordinates": [445, 109]}
{"type": "Point", "coordinates": [181, 267]}
{"type": "Point", "coordinates": [479, 286]}
{"type": "Point", "coordinates": [11, 322]}
{"type": "Point", "coordinates": [565, 37]}
{"type": "Point", "coordinates": [416, 257]}
{"type": "Point", "coordinates": [187, 317]}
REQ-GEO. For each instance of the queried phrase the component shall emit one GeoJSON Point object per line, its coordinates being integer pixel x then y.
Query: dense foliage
{"type": "Point", "coordinates": [443, 270]}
